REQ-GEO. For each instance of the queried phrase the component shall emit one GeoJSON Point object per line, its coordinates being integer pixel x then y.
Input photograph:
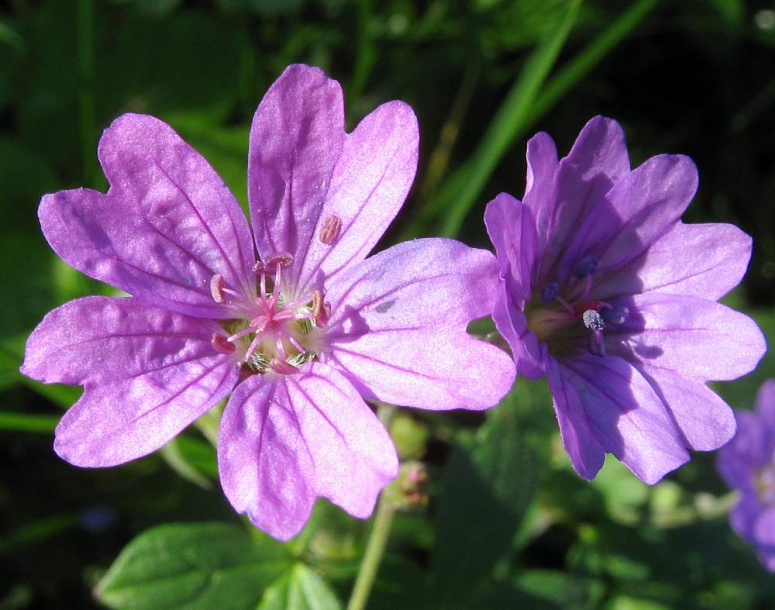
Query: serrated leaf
{"type": "Point", "coordinates": [300, 589]}
{"type": "Point", "coordinates": [194, 567]}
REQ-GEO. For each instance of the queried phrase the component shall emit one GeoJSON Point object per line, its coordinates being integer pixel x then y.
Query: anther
{"type": "Point", "coordinates": [320, 310]}
{"type": "Point", "coordinates": [615, 314]}
{"type": "Point", "coordinates": [216, 288]}
{"type": "Point", "coordinates": [586, 267]}
{"type": "Point", "coordinates": [330, 230]}
{"type": "Point", "coordinates": [281, 367]}
{"type": "Point", "coordinates": [281, 259]}
{"type": "Point", "coordinates": [550, 292]}
{"type": "Point", "coordinates": [221, 344]}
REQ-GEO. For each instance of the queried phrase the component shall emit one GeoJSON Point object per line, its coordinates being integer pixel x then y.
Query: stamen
{"type": "Point", "coordinates": [586, 267]}
{"type": "Point", "coordinates": [330, 230]}
{"type": "Point", "coordinates": [596, 343]}
{"type": "Point", "coordinates": [216, 289]}
{"type": "Point", "coordinates": [221, 344]}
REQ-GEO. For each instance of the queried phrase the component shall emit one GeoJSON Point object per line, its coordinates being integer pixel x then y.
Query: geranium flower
{"type": "Point", "coordinates": [606, 292]}
{"type": "Point", "coordinates": [298, 333]}
{"type": "Point", "coordinates": [747, 464]}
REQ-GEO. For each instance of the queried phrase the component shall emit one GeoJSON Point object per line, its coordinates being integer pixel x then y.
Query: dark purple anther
{"type": "Point", "coordinates": [585, 267]}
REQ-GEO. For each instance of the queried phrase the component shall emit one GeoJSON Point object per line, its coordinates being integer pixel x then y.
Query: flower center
{"type": "Point", "coordinates": [765, 484]}
{"type": "Point", "coordinates": [274, 330]}
{"type": "Point", "coordinates": [564, 317]}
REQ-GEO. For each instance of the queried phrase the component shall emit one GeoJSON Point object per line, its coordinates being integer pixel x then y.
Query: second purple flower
{"type": "Point", "coordinates": [606, 292]}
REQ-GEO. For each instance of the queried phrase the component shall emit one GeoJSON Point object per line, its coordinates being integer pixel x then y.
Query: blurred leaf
{"type": "Point", "coordinates": [262, 7]}
{"type": "Point", "coordinates": [490, 482]}
{"type": "Point", "coordinates": [625, 602]}
{"type": "Point", "coordinates": [226, 149]}
{"type": "Point", "coordinates": [625, 495]}
{"type": "Point", "coordinates": [36, 531]}
{"type": "Point", "coordinates": [157, 8]}
{"type": "Point", "coordinates": [300, 589]}
{"type": "Point", "coordinates": [401, 583]}
{"type": "Point", "coordinates": [561, 589]}
{"type": "Point", "coordinates": [198, 453]}
{"type": "Point", "coordinates": [176, 460]}
{"type": "Point", "coordinates": [24, 422]}
{"type": "Point", "coordinates": [732, 11]}
{"type": "Point", "coordinates": [194, 566]}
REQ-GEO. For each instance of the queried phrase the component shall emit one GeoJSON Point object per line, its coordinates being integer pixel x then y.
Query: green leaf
{"type": "Point", "coordinates": [194, 566]}
{"type": "Point", "coordinates": [300, 589]}
{"type": "Point", "coordinates": [491, 481]}
{"type": "Point", "coordinates": [561, 589]}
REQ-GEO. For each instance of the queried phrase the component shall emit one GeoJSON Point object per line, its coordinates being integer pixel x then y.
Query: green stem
{"type": "Point", "coordinates": [86, 102]}
{"type": "Point", "coordinates": [372, 558]}
{"type": "Point", "coordinates": [380, 532]}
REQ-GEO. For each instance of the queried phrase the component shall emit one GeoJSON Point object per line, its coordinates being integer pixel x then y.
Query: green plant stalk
{"type": "Point", "coordinates": [584, 61]}
{"type": "Point", "coordinates": [508, 122]}
{"type": "Point", "coordinates": [372, 558]}
{"type": "Point", "coordinates": [445, 214]}
{"type": "Point", "coordinates": [364, 55]}
{"type": "Point", "coordinates": [380, 532]}
{"type": "Point", "coordinates": [86, 96]}
{"type": "Point", "coordinates": [23, 422]}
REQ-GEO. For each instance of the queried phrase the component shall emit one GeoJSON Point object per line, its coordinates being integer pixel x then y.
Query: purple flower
{"type": "Point", "coordinates": [747, 464]}
{"type": "Point", "coordinates": [298, 333]}
{"type": "Point", "coordinates": [606, 292]}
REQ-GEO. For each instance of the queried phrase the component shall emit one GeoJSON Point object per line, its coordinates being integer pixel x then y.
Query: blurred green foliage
{"type": "Point", "coordinates": [507, 523]}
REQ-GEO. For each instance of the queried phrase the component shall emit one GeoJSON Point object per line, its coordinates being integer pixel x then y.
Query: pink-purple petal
{"type": "Point", "coordinates": [600, 149]}
{"type": "Point", "coordinates": [682, 332]}
{"type": "Point", "coordinates": [399, 326]}
{"type": "Point", "coordinates": [353, 454]}
{"type": "Point", "coordinates": [625, 415]}
{"type": "Point", "coordinates": [738, 461]}
{"type": "Point", "coordinates": [369, 184]}
{"type": "Point", "coordinates": [419, 283]}
{"type": "Point", "coordinates": [102, 339]}
{"type": "Point", "coordinates": [295, 141]}
{"type": "Point", "coordinates": [285, 441]}
{"type": "Point", "coordinates": [705, 420]}
{"type": "Point", "coordinates": [702, 260]}
{"type": "Point", "coordinates": [586, 453]}
{"type": "Point", "coordinates": [765, 407]}
{"type": "Point", "coordinates": [265, 467]}
{"type": "Point", "coordinates": [425, 368]}
{"type": "Point", "coordinates": [529, 353]}
{"type": "Point", "coordinates": [114, 423]}
{"type": "Point", "coordinates": [511, 228]}
{"type": "Point", "coordinates": [166, 226]}
{"type": "Point", "coordinates": [644, 205]}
